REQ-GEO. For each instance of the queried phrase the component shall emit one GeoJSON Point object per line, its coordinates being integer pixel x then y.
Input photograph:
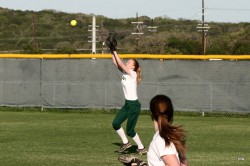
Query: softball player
{"type": "Point", "coordinates": [168, 144]}
{"type": "Point", "coordinates": [131, 76]}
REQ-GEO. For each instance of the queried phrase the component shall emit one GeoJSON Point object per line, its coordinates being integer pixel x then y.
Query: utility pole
{"type": "Point", "coordinates": [93, 30]}
{"type": "Point", "coordinates": [203, 28]}
{"type": "Point", "coordinates": [138, 29]}
{"type": "Point", "coordinates": [102, 39]}
{"type": "Point", "coordinates": [34, 33]}
{"type": "Point", "coordinates": [152, 28]}
{"type": "Point", "coordinates": [203, 32]}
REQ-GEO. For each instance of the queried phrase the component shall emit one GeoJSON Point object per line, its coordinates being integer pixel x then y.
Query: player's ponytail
{"type": "Point", "coordinates": [162, 112]}
{"type": "Point", "coordinates": [174, 134]}
{"type": "Point", "coordinates": [137, 69]}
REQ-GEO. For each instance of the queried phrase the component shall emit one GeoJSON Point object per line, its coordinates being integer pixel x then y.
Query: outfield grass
{"type": "Point", "coordinates": [87, 139]}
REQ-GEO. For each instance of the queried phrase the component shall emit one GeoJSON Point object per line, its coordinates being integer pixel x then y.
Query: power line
{"type": "Point", "coordinates": [228, 9]}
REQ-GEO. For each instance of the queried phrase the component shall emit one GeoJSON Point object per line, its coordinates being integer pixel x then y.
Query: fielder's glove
{"type": "Point", "coordinates": [131, 161]}
{"type": "Point", "coordinates": [111, 43]}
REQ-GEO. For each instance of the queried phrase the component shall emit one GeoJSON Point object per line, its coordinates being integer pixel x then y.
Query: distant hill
{"type": "Point", "coordinates": [49, 31]}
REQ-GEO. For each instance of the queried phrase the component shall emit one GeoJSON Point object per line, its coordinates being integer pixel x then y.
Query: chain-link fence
{"type": "Point", "coordinates": [95, 83]}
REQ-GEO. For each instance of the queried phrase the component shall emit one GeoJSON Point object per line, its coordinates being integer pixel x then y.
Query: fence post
{"type": "Point", "coordinates": [105, 95]}
{"type": "Point", "coordinates": [41, 82]}
{"type": "Point", "coordinates": [211, 97]}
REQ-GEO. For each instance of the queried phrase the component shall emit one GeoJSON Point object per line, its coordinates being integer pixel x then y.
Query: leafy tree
{"type": "Point", "coordinates": [185, 46]}
{"type": "Point", "coordinates": [241, 47]}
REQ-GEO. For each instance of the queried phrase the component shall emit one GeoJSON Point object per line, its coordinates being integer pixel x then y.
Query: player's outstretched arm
{"type": "Point", "coordinates": [119, 63]}
{"type": "Point", "coordinates": [112, 44]}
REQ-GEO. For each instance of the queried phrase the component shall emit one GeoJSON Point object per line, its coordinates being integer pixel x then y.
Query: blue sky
{"type": "Point", "coordinates": [215, 10]}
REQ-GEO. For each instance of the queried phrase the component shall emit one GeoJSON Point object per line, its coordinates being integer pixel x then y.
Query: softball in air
{"type": "Point", "coordinates": [73, 23]}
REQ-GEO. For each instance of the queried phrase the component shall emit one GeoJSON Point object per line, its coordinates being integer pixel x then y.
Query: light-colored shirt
{"type": "Point", "coordinates": [157, 149]}
{"type": "Point", "coordinates": [129, 85]}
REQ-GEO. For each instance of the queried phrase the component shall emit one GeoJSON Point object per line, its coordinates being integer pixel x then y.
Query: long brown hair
{"type": "Point", "coordinates": [137, 69]}
{"type": "Point", "coordinates": [162, 111]}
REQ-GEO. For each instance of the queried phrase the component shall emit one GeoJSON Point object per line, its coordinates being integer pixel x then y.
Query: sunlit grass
{"type": "Point", "coordinates": [32, 138]}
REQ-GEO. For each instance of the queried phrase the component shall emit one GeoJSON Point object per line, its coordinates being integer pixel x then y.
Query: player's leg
{"type": "Point", "coordinates": [121, 116]}
{"type": "Point", "coordinates": [133, 114]}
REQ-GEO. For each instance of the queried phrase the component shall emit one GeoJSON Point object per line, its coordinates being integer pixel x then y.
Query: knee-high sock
{"type": "Point", "coordinates": [122, 134]}
{"type": "Point", "coordinates": [137, 140]}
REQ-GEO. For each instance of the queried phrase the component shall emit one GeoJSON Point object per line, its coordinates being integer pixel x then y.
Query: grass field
{"type": "Point", "coordinates": [87, 139]}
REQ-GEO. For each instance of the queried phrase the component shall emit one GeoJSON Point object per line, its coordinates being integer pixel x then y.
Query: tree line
{"type": "Point", "coordinates": [49, 31]}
